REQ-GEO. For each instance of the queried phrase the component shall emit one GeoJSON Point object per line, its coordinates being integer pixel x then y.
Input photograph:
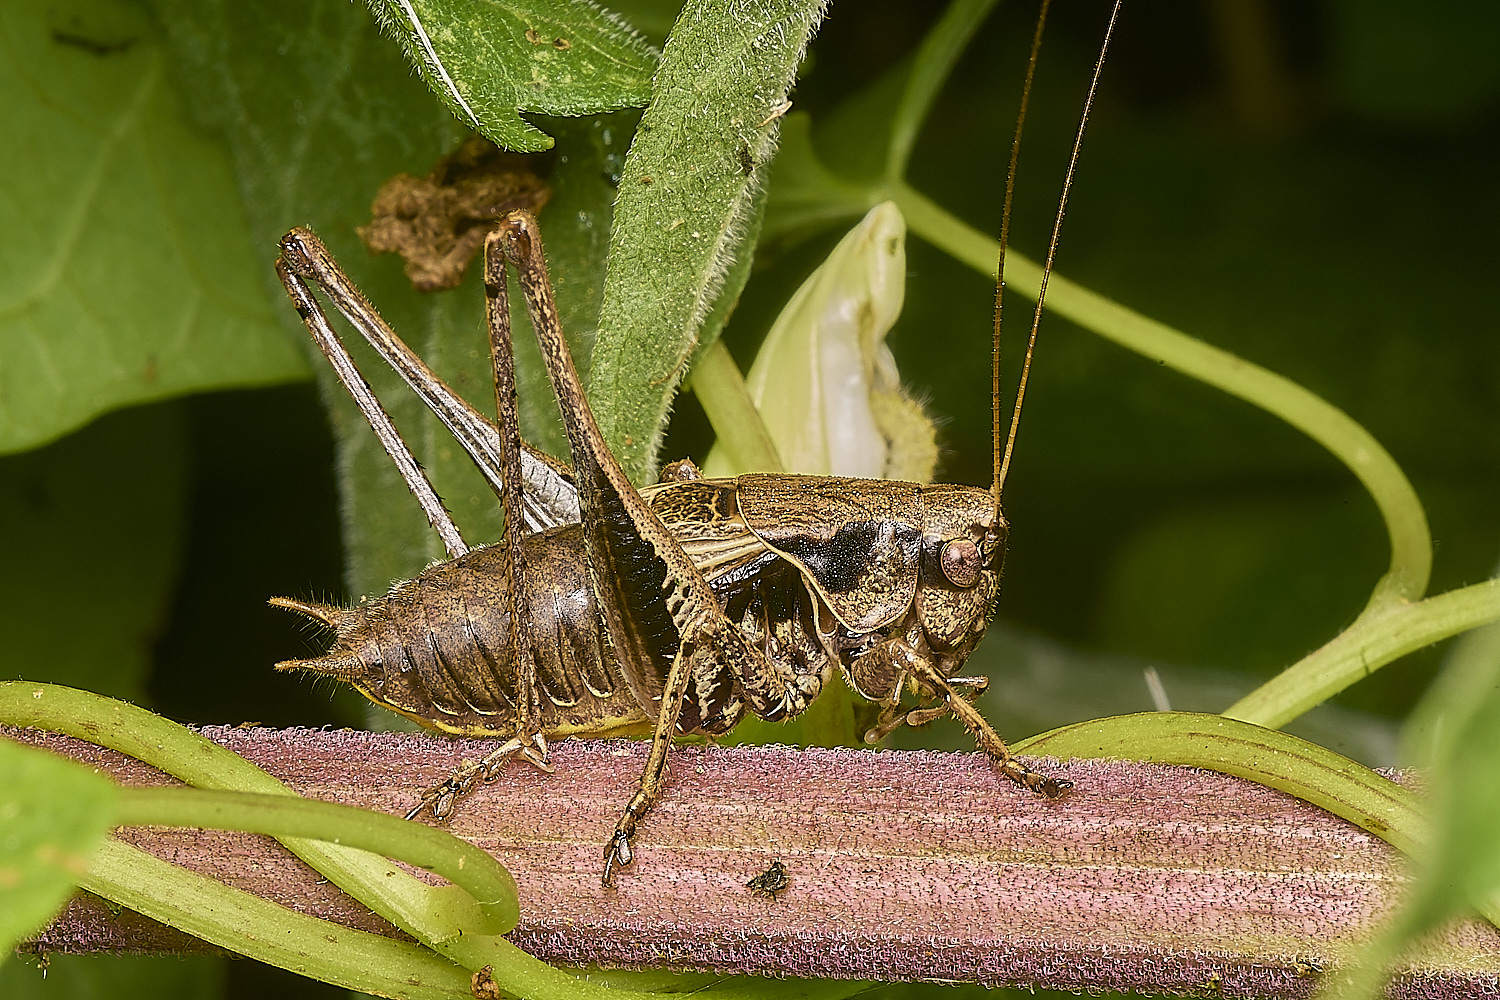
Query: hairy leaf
{"type": "Point", "coordinates": [489, 59]}
{"type": "Point", "coordinates": [314, 138]}
{"type": "Point", "coordinates": [689, 205]}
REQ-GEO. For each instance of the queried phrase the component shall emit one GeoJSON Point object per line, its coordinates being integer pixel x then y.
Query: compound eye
{"type": "Point", "coordinates": [961, 562]}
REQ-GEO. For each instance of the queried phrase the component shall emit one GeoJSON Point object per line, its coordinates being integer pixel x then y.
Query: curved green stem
{"type": "Point", "coordinates": [426, 912]}
{"type": "Point", "coordinates": [1377, 637]}
{"type": "Point", "coordinates": [264, 930]}
{"type": "Point", "coordinates": [484, 879]}
{"type": "Point", "coordinates": [1406, 522]}
{"type": "Point", "coordinates": [257, 928]}
{"type": "Point", "coordinates": [398, 897]}
{"type": "Point", "coordinates": [1389, 626]}
{"type": "Point", "coordinates": [934, 61]}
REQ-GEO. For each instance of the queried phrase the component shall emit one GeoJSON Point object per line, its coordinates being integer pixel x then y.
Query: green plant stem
{"type": "Point", "coordinates": [248, 925]}
{"type": "Point", "coordinates": [1373, 640]}
{"type": "Point", "coordinates": [421, 910]}
{"type": "Point", "coordinates": [934, 61]}
{"type": "Point", "coordinates": [398, 897]}
{"type": "Point", "coordinates": [1310, 772]}
{"type": "Point", "coordinates": [483, 878]}
{"type": "Point", "coordinates": [720, 387]}
{"type": "Point", "coordinates": [1406, 522]}
{"type": "Point", "coordinates": [1389, 626]}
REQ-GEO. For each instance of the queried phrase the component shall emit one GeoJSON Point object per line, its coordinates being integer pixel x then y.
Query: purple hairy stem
{"type": "Point", "coordinates": [901, 865]}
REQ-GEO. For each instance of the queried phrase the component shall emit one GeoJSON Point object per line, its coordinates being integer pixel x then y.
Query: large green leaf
{"type": "Point", "coordinates": [53, 815]}
{"type": "Point", "coordinates": [1459, 872]}
{"type": "Point", "coordinates": [1464, 871]}
{"type": "Point", "coordinates": [126, 272]}
{"type": "Point", "coordinates": [487, 59]}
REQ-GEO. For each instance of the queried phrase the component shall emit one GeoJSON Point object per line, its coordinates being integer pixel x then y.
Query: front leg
{"type": "Point", "coordinates": [988, 740]}
{"type": "Point", "coordinates": [880, 674]}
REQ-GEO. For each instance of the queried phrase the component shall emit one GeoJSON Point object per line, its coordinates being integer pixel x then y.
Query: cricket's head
{"type": "Point", "coordinates": [963, 550]}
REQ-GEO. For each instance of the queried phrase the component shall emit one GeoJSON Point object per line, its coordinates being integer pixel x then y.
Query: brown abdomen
{"type": "Point", "coordinates": [438, 649]}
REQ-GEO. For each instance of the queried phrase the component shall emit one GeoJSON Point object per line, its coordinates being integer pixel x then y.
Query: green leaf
{"type": "Point", "coordinates": [53, 815]}
{"type": "Point", "coordinates": [1446, 713]}
{"type": "Point", "coordinates": [1460, 869]}
{"type": "Point", "coordinates": [126, 273]}
{"type": "Point", "coordinates": [689, 205]}
{"type": "Point", "coordinates": [487, 59]}
{"type": "Point", "coordinates": [1465, 868]}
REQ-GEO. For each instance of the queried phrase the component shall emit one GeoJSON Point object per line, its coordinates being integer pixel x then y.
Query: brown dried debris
{"type": "Point", "coordinates": [437, 223]}
{"type": "Point", "coordinates": [482, 984]}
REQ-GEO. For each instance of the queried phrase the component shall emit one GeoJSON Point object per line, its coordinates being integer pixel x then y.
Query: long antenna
{"type": "Point", "coordinates": [997, 462]}
{"type": "Point", "coordinates": [1002, 462]}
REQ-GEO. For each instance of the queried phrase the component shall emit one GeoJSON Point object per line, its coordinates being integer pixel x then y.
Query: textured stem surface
{"type": "Point", "coordinates": [902, 865]}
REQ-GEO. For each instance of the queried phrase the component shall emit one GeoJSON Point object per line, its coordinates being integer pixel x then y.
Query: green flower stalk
{"type": "Point", "coordinates": [825, 382]}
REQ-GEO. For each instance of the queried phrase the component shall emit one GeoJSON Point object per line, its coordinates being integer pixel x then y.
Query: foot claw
{"type": "Point", "coordinates": [444, 796]}
{"type": "Point", "coordinates": [1044, 785]}
{"type": "Point", "coordinates": [616, 853]}
{"type": "Point", "coordinates": [1054, 788]}
{"type": "Point", "coordinates": [538, 760]}
{"type": "Point", "coordinates": [441, 797]}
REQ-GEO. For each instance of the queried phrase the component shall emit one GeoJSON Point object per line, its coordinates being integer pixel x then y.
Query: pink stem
{"type": "Point", "coordinates": [903, 865]}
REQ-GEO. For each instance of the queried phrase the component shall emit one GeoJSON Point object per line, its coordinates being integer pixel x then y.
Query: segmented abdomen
{"type": "Point", "coordinates": [438, 649]}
